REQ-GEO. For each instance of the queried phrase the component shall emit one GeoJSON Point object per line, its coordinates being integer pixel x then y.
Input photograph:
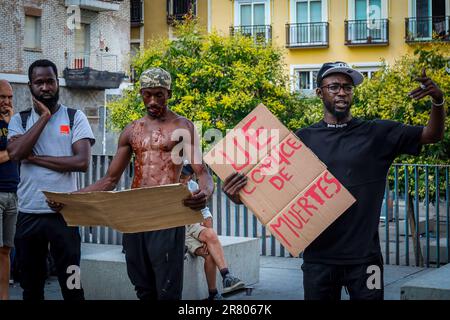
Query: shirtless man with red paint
{"type": "Point", "coordinates": [155, 259]}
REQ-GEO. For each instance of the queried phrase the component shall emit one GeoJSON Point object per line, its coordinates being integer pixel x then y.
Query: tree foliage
{"type": "Point", "coordinates": [216, 80]}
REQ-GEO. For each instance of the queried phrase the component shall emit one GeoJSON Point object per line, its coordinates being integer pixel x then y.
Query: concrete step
{"type": "Point", "coordinates": [422, 227]}
{"type": "Point", "coordinates": [104, 275]}
{"type": "Point", "coordinates": [433, 250]}
{"type": "Point", "coordinates": [433, 285]}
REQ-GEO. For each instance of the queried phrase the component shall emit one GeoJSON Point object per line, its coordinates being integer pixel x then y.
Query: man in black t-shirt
{"type": "Point", "coordinates": [358, 153]}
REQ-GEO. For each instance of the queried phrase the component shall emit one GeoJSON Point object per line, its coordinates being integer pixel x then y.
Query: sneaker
{"type": "Point", "coordinates": [231, 283]}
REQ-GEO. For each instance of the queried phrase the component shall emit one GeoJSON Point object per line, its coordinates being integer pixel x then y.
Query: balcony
{"type": "Point", "coordinates": [96, 71]}
{"type": "Point", "coordinates": [177, 10]}
{"type": "Point", "coordinates": [426, 29]}
{"type": "Point", "coordinates": [94, 5]}
{"type": "Point", "coordinates": [136, 17]}
{"type": "Point", "coordinates": [307, 35]}
{"type": "Point", "coordinates": [260, 33]}
{"type": "Point", "coordinates": [367, 32]}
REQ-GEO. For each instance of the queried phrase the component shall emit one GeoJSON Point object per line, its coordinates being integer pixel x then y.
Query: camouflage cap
{"type": "Point", "coordinates": [155, 77]}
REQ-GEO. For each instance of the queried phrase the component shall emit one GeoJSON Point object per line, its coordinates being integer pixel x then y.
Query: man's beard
{"type": "Point", "coordinates": [48, 102]}
{"type": "Point", "coordinates": [339, 115]}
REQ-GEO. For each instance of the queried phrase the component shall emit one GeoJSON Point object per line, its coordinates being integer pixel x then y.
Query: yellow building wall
{"type": "Point", "coordinates": [155, 19]}
{"type": "Point", "coordinates": [222, 14]}
{"type": "Point", "coordinates": [202, 13]}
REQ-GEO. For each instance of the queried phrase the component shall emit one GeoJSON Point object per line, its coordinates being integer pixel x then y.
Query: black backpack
{"type": "Point", "coordinates": [24, 115]}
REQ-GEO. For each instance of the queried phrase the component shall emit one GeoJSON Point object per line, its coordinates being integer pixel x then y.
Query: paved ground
{"type": "Point", "coordinates": [280, 279]}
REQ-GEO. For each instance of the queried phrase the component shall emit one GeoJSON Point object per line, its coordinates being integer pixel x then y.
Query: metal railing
{"type": "Point", "coordinates": [260, 33]}
{"type": "Point", "coordinates": [99, 61]}
{"type": "Point", "coordinates": [427, 29]}
{"type": "Point", "coordinates": [414, 219]}
{"type": "Point", "coordinates": [307, 35]}
{"type": "Point", "coordinates": [367, 32]}
{"type": "Point", "coordinates": [136, 12]}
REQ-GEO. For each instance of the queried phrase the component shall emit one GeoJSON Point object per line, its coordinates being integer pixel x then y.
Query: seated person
{"type": "Point", "coordinates": [202, 240]}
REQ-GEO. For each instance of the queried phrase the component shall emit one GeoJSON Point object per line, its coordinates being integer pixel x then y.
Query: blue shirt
{"type": "Point", "coordinates": [9, 173]}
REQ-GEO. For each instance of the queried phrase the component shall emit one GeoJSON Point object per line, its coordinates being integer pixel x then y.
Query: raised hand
{"type": "Point", "coordinates": [40, 108]}
{"type": "Point", "coordinates": [427, 88]}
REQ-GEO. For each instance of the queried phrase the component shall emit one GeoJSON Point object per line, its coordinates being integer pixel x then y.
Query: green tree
{"type": "Point", "coordinates": [216, 80]}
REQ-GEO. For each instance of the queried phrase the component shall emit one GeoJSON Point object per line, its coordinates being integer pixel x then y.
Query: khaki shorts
{"type": "Point", "coordinates": [8, 218]}
{"type": "Point", "coordinates": [192, 234]}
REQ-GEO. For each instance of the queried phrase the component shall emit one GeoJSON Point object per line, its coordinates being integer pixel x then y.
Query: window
{"type": "Point", "coordinates": [305, 76]}
{"type": "Point", "coordinates": [367, 21]}
{"type": "Point", "coordinates": [305, 79]}
{"type": "Point", "coordinates": [308, 19]}
{"type": "Point", "coordinates": [252, 14]}
{"type": "Point", "coordinates": [308, 11]}
{"type": "Point", "coordinates": [82, 46]}
{"type": "Point", "coordinates": [430, 18]}
{"type": "Point", "coordinates": [135, 47]}
{"type": "Point", "coordinates": [368, 68]}
{"type": "Point", "coordinates": [32, 39]}
{"type": "Point", "coordinates": [252, 19]}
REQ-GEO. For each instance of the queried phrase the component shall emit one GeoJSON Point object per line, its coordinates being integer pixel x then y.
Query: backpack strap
{"type": "Point", "coordinates": [24, 115]}
{"type": "Point", "coordinates": [71, 113]}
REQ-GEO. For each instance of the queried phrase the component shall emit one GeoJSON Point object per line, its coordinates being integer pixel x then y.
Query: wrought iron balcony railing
{"type": "Point", "coordinates": [427, 29]}
{"type": "Point", "coordinates": [260, 33]}
{"type": "Point", "coordinates": [367, 32]}
{"type": "Point", "coordinates": [313, 34]}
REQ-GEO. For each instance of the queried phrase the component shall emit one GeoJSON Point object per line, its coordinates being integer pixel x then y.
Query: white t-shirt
{"type": "Point", "coordinates": [55, 140]}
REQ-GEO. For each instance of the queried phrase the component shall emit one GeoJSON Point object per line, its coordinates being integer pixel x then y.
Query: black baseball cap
{"type": "Point", "coordinates": [339, 67]}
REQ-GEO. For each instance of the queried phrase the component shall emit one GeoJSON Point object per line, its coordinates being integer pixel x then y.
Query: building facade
{"type": "Point", "coordinates": [89, 41]}
{"type": "Point", "coordinates": [311, 32]}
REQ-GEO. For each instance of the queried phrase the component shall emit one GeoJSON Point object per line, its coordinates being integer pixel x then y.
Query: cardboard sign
{"type": "Point", "coordinates": [279, 176]}
{"type": "Point", "coordinates": [245, 145]}
{"type": "Point", "coordinates": [135, 210]}
{"type": "Point", "coordinates": [310, 213]}
{"type": "Point", "coordinates": [283, 174]}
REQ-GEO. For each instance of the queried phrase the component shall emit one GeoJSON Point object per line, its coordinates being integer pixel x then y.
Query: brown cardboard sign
{"type": "Point", "coordinates": [282, 173]}
{"type": "Point", "coordinates": [245, 145]}
{"type": "Point", "coordinates": [129, 211]}
{"type": "Point", "coordinates": [310, 213]}
{"type": "Point", "coordinates": [279, 176]}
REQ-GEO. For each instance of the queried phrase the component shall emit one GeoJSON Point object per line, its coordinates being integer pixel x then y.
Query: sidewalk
{"type": "Point", "coordinates": [280, 279]}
